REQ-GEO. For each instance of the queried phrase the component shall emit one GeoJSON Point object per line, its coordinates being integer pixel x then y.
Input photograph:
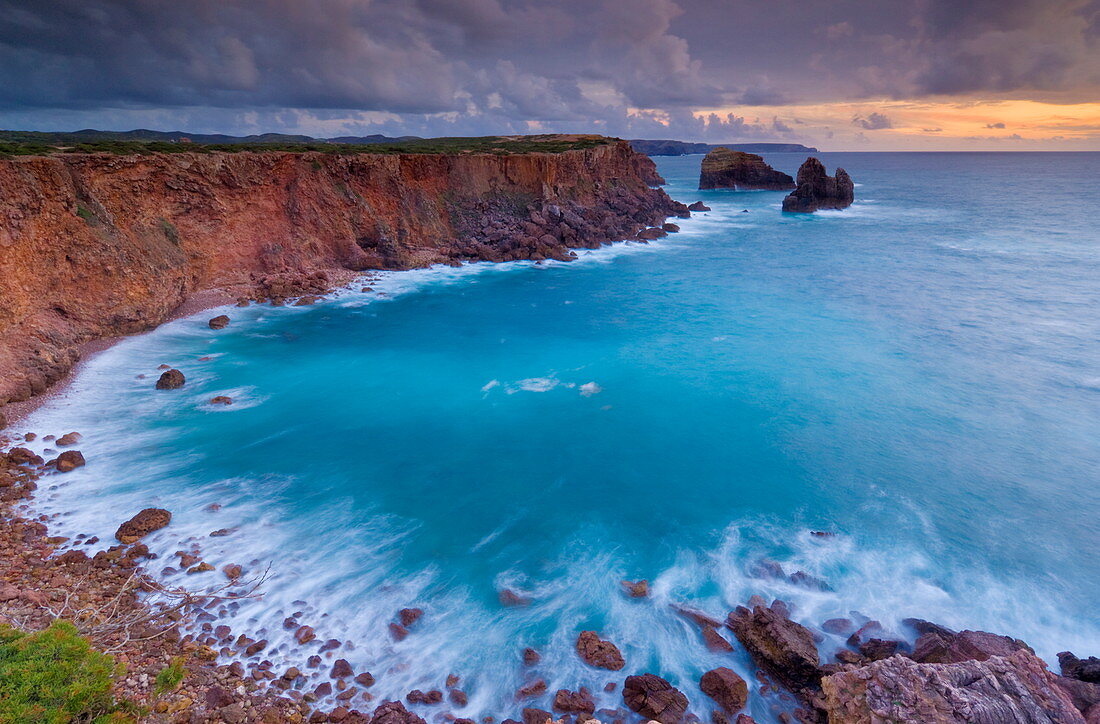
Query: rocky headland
{"type": "Point", "coordinates": [818, 190]}
{"type": "Point", "coordinates": [727, 169]}
{"type": "Point", "coordinates": [99, 245]}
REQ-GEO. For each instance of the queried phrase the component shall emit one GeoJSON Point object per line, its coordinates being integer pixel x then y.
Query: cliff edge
{"type": "Point", "coordinates": [726, 169]}
{"type": "Point", "coordinates": [98, 245]}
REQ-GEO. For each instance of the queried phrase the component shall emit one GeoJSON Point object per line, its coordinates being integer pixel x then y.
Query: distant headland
{"type": "Point", "coordinates": [683, 148]}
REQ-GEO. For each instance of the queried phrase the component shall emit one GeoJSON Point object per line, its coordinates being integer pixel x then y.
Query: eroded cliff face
{"type": "Point", "coordinates": [100, 245]}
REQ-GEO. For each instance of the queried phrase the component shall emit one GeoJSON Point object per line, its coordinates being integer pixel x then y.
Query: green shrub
{"type": "Point", "coordinates": [170, 676]}
{"type": "Point", "coordinates": [54, 677]}
{"type": "Point", "coordinates": [85, 213]}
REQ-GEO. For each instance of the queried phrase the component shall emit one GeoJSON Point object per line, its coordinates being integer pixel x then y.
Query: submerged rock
{"type": "Point", "coordinates": [594, 651]}
{"type": "Point", "coordinates": [654, 698]}
{"type": "Point", "coordinates": [817, 190]}
{"type": "Point", "coordinates": [636, 589]}
{"type": "Point", "coordinates": [726, 169]}
{"type": "Point", "coordinates": [1013, 688]}
{"type": "Point", "coordinates": [698, 206]}
{"type": "Point", "coordinates": [142, 524]}
{"type": "Point", "coordinates": [171, 380]}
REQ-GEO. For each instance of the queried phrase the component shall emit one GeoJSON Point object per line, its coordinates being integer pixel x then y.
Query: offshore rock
{"type": "Point", "coordinates": [142, 524]}
{"type": "Point", "coordinates": [818, 190]}
{"type": "Point", "coordinates": [219, 322]}
{"type": "Point", "coordinates": [726, 688]}
{"type": "Point", "coordinates": [594, 651]}
{"type": "Point", "coordinates": [654, 698]}
{"type": "Point", "coordinates": [69, 460]}
{"type": "Point", "coordinates": [171, 380]}
{"type": "Point", "coordinates": [698, 206]}
{"type": "Point", "coordinates": [782, 647]}
{"type": "Point", "coordinates": [1015, 688]}
{"type": "Point", "coordinates": [726, 169]}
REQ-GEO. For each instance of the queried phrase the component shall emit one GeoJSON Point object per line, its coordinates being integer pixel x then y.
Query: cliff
{"type": "Point", "coordinates": [817, 190]}
{"type": "Point", "coordinates": [97, 245]}
{"type": "Point", "coordinates": [726, 169]}
{"type": "Point", "coordinates": [683, 148]}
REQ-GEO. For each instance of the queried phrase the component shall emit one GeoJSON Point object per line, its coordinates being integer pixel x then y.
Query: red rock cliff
{"type": "Point", "coordinates": [100, 245]}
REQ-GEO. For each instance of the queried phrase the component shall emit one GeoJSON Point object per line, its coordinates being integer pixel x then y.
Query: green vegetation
{"type": "Point", "coordinates": [32, 143]}
{"type": "Point", "coordinates": [171, 676]}
{"type": "Point", "coordinates": [85, 213]}
{"type": "Point", "coordinates": [170, 231]}
{"type": "Point", "coordinates": [54, 677]}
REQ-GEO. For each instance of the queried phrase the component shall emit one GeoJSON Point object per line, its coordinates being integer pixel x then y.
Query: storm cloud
{"type": "Point", "coordinates": [628, 67]}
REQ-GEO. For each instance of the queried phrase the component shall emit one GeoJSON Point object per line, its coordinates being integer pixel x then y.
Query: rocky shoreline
{"type": "Point", "coordinates": [922, 673]}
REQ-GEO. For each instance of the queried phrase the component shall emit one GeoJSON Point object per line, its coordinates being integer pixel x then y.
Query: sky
{"type": "Point", "coordinates": [839, 75]}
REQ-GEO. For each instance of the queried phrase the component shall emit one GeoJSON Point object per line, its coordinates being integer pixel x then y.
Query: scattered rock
{"type": "Point", "coordinates": [221, 400]}
{"type": "Point", "coordinates": [142, 524]}
{"type": "Point", "coordinates": [531, 689]}
{"type": "Point", "coordinates": [304, 634]}
{"type": "Point", "coordinates": [201, 568]}
{"type": "Point", "coordinates": [510, 598]}
{"type": "Point", "coordinates": [654, 698]}
{"type": "Point", "coordinates": [698, 206]}
{"type": "Point", "coordinates": [637, 589]}
{"type": "Point", "coordinates": [69, 460]}
{"type": "Point", "coordinates": [68, 439]}
{"type": "Point", "coordinates": [398, 632]}
{"type": "Point", "coordinates": [536, 716]}
{"type": "Point", "coordinates": [779, 645]}
{"type": "Point", "coordinates": [458, 697]}
{"type": "Point", "coordinates": [574, 701]}
{"type": "Point", "coordinates": [670, 228]}
{"type": "Point", "coordinates": [726, 688]}
{"type": "Point", "coordinates": [726, 169]}
{"type": "Point", "coordinates": [394, 712]}
{"type": "Point", "coordinates": [1013, 688]}
{"type": "Point", "coordinates": [599, 653]}
{"type": "Point", "coordinates": [366, 680]}
{"type": "Point", "coordinates": [219, 322]}
{"type": "Point", "coordinates": [531, 657]}
{"type": "Point", "coordinates": [341, 669]}
{"type": "Point", "coordinates": [171, 380]}
{"type": "Point", "coordinates": [409, 616]}
{"type": "Point", "coordinates": [817, 190]}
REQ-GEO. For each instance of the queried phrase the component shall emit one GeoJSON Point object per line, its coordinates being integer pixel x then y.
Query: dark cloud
{"type": "Point", "coordinates": [873, 122]}
{"type": "Point", "coordinates": [483, 66]}
{"type": "Point", "coordinates": [995, 125]}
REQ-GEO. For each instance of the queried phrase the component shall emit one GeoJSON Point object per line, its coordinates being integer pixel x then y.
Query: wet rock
{"type": "Point", "coordinates": [817, 190]}
{"type": "Point", "coordinates": [811, 582]}
{"type": "Point", "coordinates": [724, 168]}
{"type": "Point", "coordinates": [201, 568]}
{"type": "Point", "coordinates": [366, 680]}
{"type": "Point", "coordinates": [715, 641]}
{"type": "Point", "coordinates": [876, 649]}
{"type": "Point", "coordinates": [531, 657]}
{"type": "Point", "coordinates": [398, 632]}
{"type": "Point", "coordinates": [726, 687]}
{"type": "Point", "coordinates": [23, 456]}
{"type": "Point", "coordinates": [171, 380]}
{"type": "Point", "coordinates": [779, 645]}
{"type": "Point", "coordinates": [536, 716]}
{"type": "Point", "coordinates": [636, 589]}
{"type": "Point", "coordinates": [341, 669]}
{"type": "Point", "coordinates": [654, 698]}
{"type": "Point", "coordinates": [306, 301]}
{"type": "Point", "coordinates": [304, 634]}
{"type": "Point", "coordinates": [452, 681]}
{"type": "Point", "coordinates": [531, 689]}
{"type": "Point", "coordinates": [1013, 688]}
{"type": "Point", "coordinates": [594, 651]}
{"type": "Point", "coordinates": [698, 206]}
{"type": "Point", "coordinates": [219, 322]}
{"type": "Point", "coordinates": [142, 524]}
{"type": "Point", "coordinates": [510, 598]}
{"type": "Point", "coordinates": [69, 439]}
{"type": "Point", "coordinates": [946, 647]}
{"type": "Point", "coordinates": [1082, 669]}
{"type": "Point", "coordinates": [838, 626]}
{"type": "Point", "coordinates": [416, 696]}
{"type": "Point", "coordinates": [458, 697]}
{"type": "Point", "coordinates": [221, 400]}
{"type": "Point", "coordinates": [409, 616]}
{"type": "Point", "coordinates": [574, 701]}
{"type": "Point", "coordinates": [69, 460]}
{"type": "Point", "coordinates": [255, 648]}
{"type": "Point", "coordinates": [670, 228]}
{"type": "Point", "coordinates": [394, 712]}
{"type": "Point", "coordinates": [652, 233]}
{"type": "Point", "coordinates": [847, 656]}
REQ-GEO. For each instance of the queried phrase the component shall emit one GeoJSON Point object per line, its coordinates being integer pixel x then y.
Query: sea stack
{"type": "Point", "coordinates": [726, 169]}
{"type": "Point", "coordinates": [817, 190]}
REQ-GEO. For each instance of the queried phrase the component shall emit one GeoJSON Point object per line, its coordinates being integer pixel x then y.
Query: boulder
{"type": "Point", "coordinates": [531, 657]}
{"type": "Point", "coordinates": [394, 712]}
{"type": "Point", "coordinates": [670, 228]}
{"type": "Point", "coordinates": [409, 616]}
{"type": "Point", "coordinates": [221, 400]}
{"type": "Point", "coordinates": [652, 233]}
{"type": "Point", "coordinates": [574, 701]}
{"type": "Point", "coordinates": [637, 589]}
{"type": "Point", "coordinates": [1013, 688]}
{"type": "Point", "coordinates": [531, 689]}
{"type": "Point", "coordinates": [1082, 669]}
{"type": "Point", "coordinates": [726, 169]}
{"type": "Point", "coordinates": [23, 456]}
{"type": "Point", "coordinates": [171, 380]}
{"type": "Point", "coordinates": [341, 669]}
{"type": "Point", "coordinates": [817, 190]}
{"type": "Point", "coordinates": [944, 646]}
{"type": "Point", "coordinates": [142, 524]}
{"type": "Point", "coordinates": [69, 460]}
{"type": "Point", "coordinates": [68, 439]}
{"type": "Point", "coordinates": [727, 689]}
{"type": "Point", "coordinates": [532, 715]}
{"type": "Point", "coordinates": [219, 322]}
{"type": "Point", "coordinates": [594, 651]}
{"type": "Point", "coordinates": [715, 641]}
{"type": "Point", "coordinates": [698, 206]}
{"type": "Point", "coordinates": [654, 698]}
{"type": "Point", "coordinates": [780, 646]}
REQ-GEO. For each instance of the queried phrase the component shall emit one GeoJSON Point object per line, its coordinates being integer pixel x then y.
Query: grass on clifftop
{"type": "Point", "coordinates": [54, 677]}
{"type": "Point", "coordinates": [33, 143]}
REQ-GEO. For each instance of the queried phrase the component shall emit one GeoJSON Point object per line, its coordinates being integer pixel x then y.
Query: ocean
{"type": "Point", "coordinates": [918, 375]}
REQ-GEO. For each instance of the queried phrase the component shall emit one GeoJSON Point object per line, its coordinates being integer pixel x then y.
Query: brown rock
{"type": "Point", "coordinates": [304, 634]}
{"type": "Point", "coordinates": [394, 712]}
{"type": "Point", "coordinates": [398, 632]}
{"type": "Point", "coordinates": [536, 716]}
{"type": "Point", "coordinates": [942, 646]}
{"type": "Point", "coordinates": [574, 701]}
{"type": "Point", "coordinates": [1082, 669]}
{"type": "Point", "coordinates": [698, 206]}
{"type": "Point", "coordinates": [409, 616]}
{"type": "Point", "coordinates": [1013, 688]}
{"type": "Point", "coordinates": [780, 646]}
{"type": "Point", "coordinates": [69, 439]}
{"type": "Point", "coordinates": [142, 524]}
{"type": "Point", "coordinates": [715, 641]}
{"type": "Point", "coordinates": [670, 228]}
{"type": "Point", "coordinates": [652, 233]}
{"type": "Point", "coordinates": [817, 190]}
{"type": "Point", "coordinates": [726, 688]}
{"type": "Point", "coordinates": [458, 697]}
{"type": "Point", "coordinates": [221, 400]}
{"type": "Point", "coordinates": [839, 626]}
{"type": "Point", "coordinates": [416, 696]}
{"type": "Point", "coordinates": [171, 380]}
{"type": "Point", "coordinates": [723, 168]}
{"type": "Point", "coordinates": [69, 460]}
{"type": "Point", "coordinates": [599, 653]}
{"type": "Point", "coordinates": [219, 322]}
{"type": "Point", "coordinates": [511, 598]}
{"type": "Point", "coordinates": [341, 669]}
{"type": "Point", "coordinates": [531, 689]}
{"type": "Point", "coordinates": [637, 589]}
{"type": "Point", "coordinates": [531, 657]}
{"type": "Point", "coordinates": [23, 456]}
{"type": "Point", "coordinates": [654, 698]}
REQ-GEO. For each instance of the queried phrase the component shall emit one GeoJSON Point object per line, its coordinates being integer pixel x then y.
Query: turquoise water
{"type": "Point", "coordinates": [919, 374]}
